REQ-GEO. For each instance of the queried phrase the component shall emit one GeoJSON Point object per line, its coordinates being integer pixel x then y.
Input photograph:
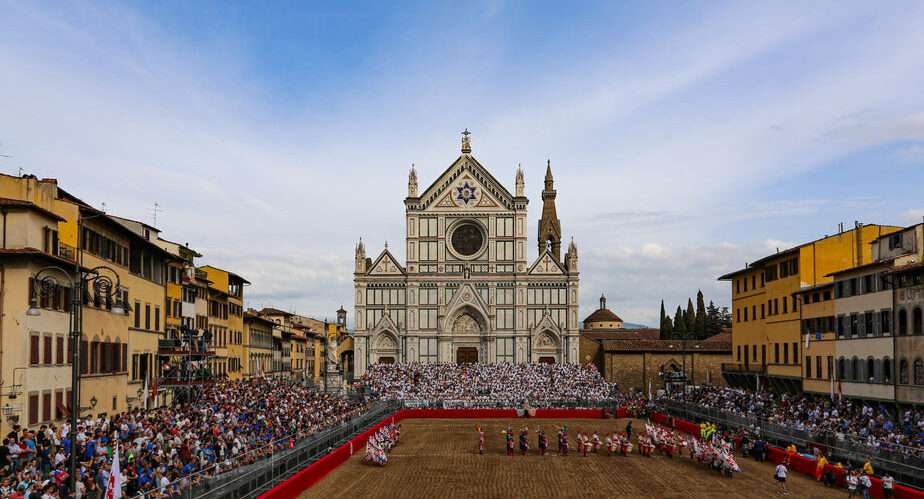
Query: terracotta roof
{"type": "Point", "coordinates": [36, 253]}
{"type": "Point", "coordinates": [274, 311]}
{"type": "Point", "coordinates": [622, 334]}
{"type": "Point", "coordinates": [28, 205]}
{"type": "Point", "coordinates": [603, 315]}
{"type": "Point", "coordinates": [648, 342]}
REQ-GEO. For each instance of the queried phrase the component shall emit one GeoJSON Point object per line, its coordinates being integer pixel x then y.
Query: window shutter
{"type": "Point", "coordinates": [84, 354]}
{"type": "Point", "coordinates": [46, 342]}
{"type": "Point", "coordinates": [124, 357]}
{"type": "Point", "coordinates": [46, 406]}
{"type": "Point", "coordinates": [33, 408]}
{"type": "Point", "coordinates": [34, 349]}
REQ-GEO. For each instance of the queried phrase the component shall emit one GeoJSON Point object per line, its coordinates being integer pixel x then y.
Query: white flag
{"type": "Point", "coordinates": [806, 341]}
{"type": "Point", "coordinates": [114, 488]}
{"type": "Point", "coordinates": [145, 393]}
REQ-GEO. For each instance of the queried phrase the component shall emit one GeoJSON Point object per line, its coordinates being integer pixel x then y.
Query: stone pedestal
{"type": "Point", "coordinates": [333, 381]}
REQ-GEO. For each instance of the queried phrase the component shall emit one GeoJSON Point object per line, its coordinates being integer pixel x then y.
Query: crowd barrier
{"type": "Point", "coordinates": [317, 470]}
{"type": "Point", "coordinates": [798, 462]}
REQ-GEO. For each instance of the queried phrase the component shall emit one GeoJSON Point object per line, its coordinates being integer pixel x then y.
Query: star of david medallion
{"type": "Point", "coordinates": [466, 193]}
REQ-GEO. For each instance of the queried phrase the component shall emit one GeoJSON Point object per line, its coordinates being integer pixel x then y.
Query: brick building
{"type": "Point", "coordinates": [633, 358]}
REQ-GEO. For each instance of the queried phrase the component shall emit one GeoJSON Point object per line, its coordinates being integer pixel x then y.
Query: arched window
{"type": "Point", "coordinates": [887, 370]}
{"type": "Point", "coordinates": [841, 368]}
{"type": "Point", "coordinates": [903, 372]}
{"type": "Point", "coordinates": [918, 372]}
{"type": "Point", "coordinates": [916, 326]}
{"type": "Point", "coordinates": [902, 322]}
{"type": "Point", "coordinates": [855, 367]}
{"type": "Point", "coordinates": [870, 374]}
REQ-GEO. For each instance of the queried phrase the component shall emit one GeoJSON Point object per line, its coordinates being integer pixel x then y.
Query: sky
{"type": "Point", "coordinates": [686, 139]}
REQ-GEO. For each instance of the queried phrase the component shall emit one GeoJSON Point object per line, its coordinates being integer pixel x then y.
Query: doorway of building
{"type": "Point", "coordinates": [466, 355]}
{"type": "Point", "coordinates": [546, 360]}
{"type": "Point", "coordinates": [386, 360]}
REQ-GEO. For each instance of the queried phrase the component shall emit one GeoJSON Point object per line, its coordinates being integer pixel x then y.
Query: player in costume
{"type": "Point", "coordinates": [524, 440]}
{"type": "Point", "coordinates": [480, 440]}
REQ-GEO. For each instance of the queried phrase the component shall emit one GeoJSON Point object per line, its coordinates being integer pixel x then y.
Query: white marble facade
{"type": "Point", "coordinates": [468, 290]}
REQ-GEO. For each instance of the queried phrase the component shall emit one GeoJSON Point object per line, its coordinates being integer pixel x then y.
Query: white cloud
{"type": "Point", "coordinates": [656, 145]}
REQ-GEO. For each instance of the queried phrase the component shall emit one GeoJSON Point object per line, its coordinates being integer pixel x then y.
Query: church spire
{"type": "Point", "coordinates": [549, 225]}
{"type": "Point", "coordinates": [412, 182]}
{"type": "Point", "coordinates": [521, 183]}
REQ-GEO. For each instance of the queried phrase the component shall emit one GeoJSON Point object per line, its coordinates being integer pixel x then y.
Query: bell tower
{"type": "Point", "coordinates": [549, 225]}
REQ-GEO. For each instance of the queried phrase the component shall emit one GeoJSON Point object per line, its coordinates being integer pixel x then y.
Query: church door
{"type": "Point", "coordinates": [386, 360]}
{"type": "Point", "coordinates": [546, 360]}
{"type": "Point", "coordinates": [466, 355]}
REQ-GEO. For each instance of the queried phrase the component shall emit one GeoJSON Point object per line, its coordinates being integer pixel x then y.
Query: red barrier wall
{"type": "Point", "coordinates": [797, 462]}
{"type": "Point", "coordinates": [317, 470]}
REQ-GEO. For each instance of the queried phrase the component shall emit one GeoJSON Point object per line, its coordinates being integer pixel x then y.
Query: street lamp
{"type": "Point", "coordinates": [105, 283]}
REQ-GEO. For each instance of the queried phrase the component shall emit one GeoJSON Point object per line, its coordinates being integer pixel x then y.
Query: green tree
{"type": "Point", "coordinates": [680, 324]}
{"type": "Point", "coordinates": [690, 317]}
{"type": "Point", "coordinates": [713, 320]}
{"type": "Point", "coordinates": [667, 328]}
{"type": "Point", "coordinates": [725, 318]}
{"type": "Point", "coordinates": [700, 315]}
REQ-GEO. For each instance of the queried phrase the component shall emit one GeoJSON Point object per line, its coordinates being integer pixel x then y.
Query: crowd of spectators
{"type": "Point", "coordinates": [872, 424]}
{"type": "Point", "coordinates": [164, 450]}
{"type": "Point", "coordinates": [489, 384]}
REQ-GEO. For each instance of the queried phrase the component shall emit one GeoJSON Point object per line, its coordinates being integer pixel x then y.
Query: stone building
{"type": "Point", "coordinates": [468, 291]}
{"type": "Point", "coordinates": [637, 359]}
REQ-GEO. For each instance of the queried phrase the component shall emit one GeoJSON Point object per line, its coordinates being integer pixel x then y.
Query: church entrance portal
{"type": "Point", "coordinates": [466, 355]}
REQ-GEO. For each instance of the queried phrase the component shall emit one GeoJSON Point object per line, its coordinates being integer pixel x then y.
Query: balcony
{"type": "Point", "coordinates": [736, 368]}
{"type": "Point", "coordinates": [64, 251]}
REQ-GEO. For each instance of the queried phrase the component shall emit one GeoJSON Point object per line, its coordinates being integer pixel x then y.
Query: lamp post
{"type": "Point", "coordinates": [106, 285]}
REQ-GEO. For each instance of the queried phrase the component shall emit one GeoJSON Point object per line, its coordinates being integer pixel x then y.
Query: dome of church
{"type": "Point", "coordinates": [603, 318]}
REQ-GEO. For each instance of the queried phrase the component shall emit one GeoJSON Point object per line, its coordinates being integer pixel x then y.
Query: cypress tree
{"type": "Point", "coordinates": [700, 315]}
{"type": "Point", "coordinates": [680, 324]}
{"type": "Point", "coordinates": [666, 326]}
{"type": "Point", "coordinates": [690, 316]}
{"type": "Point", "coordinates": [713, 320]}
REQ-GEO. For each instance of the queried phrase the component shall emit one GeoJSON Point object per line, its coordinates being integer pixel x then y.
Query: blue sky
{"type": "Point", "coordinates": [686, 139]}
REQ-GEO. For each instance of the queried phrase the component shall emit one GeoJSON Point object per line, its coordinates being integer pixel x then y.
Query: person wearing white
{"type": "Point", "coordinates": [780, 475]}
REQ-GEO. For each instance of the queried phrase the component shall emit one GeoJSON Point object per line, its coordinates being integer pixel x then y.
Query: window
{"type": "Point", "coordinates": [870, 370]}
{"type": "Point", "coordinates": [868, 284]}
{"type": "Point", "coordinates": [785, 307]}
{"type": "Point", "coordinates": [895, 241]}
{"type": "Point", "coordinates": [887, 370]}
{"type": "Point", "coordinates": [428, 350]}
{"type": "Point", "coordinates": [59, 350]}
{"type": "Point", "coordinates": [817, 366]}
{"type": "Point", "coordinates": [739, 353]}
{"type": "Point", "coordinates": [147, 316]}
{"type": "Point", "coordinates": [776, 353]}
{"type": "Point", "coordinates": [33, 408]}
{"type": "Point", "coordinates": [428, 227]}
{"type": "Point", "coordinates": [505, 318]}
{"type": "Point", "coordinates": [745, 280]}
{"type": "Point", "coordinates": [754, 352]}
{"type": "Point", "coordinates": [885, 318]}
{"type": "Point", "coordinates": [745, 314]}
{"type": "Point", "coordinates": [902, 322]}
{"type": "Point", "coordinates": [505, 350]}
{"type": "Point", "coordinates": [854, 325]}
{"type": "Point", "coordinates": [916, 321]}
{"type": "Point", "coordinates": [427, 318]}
{"type": "Point", "coordinates": [830, 371]}
{"type": "Point", "coordinates": [753, 312]}
{"type": "Point", "coordinates": [868, 324]}
{"type": "Point", "coordinates": [157, 318]}
{"type": "Point", "coordinates": [46, 350]}
{"type": "Point", "coordinates": [137, 311]}
{"type": "Point", "coordinates": [428, 250]}
{"type": "Point", "coordinates": [918, 372]}
{"type": "Point", "coordinates": [504, 250]}
{"type": "Point", "coordinates": [786, 353]}
{"type": "Point", "coordinates": [808, 366]}
{"type": "Point", "coordinates": [795, 352]}
{"type": "Point", "coordinates": [763, 314]}
{"type": "Point", "coordinates": [46, 406]}
{"type": "Point", "coordinates": [903, 372]}
{"type": "Point", "coordinates": [504, 227]}
{"type": "Point", "coordinates": [34, 350]}
{"type": "Point", "coordinates": [753, 282]}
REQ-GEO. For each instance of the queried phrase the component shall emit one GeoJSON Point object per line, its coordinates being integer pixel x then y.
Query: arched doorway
{"type": "Point", "coordinates": [546, 348]}
{"type": "Point", "coordinates": [385, 348]}
{"type": "Point", "coordinates": [467, 327]}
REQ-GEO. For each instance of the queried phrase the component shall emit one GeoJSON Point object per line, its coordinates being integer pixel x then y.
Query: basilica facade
{"type": "Point", "coordinates": [468, 291]}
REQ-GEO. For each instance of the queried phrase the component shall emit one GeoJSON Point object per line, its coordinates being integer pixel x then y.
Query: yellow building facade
{"type": "Point", "coordinates": [766, 309]}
